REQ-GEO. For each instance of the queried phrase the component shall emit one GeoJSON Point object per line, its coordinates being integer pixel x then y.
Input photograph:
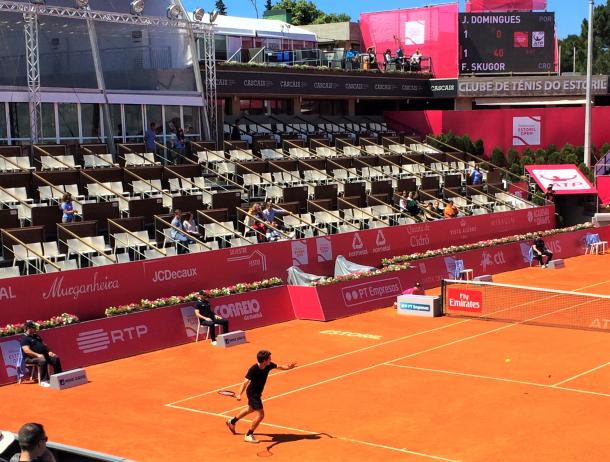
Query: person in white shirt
{"type": "Point", "coordinates": [416, 61]}
{"type": "Point", "coordinates": [189, 225]}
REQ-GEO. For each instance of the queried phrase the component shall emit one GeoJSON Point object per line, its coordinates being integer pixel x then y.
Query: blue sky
{"type": "Point", "coordinates": [568, 13]}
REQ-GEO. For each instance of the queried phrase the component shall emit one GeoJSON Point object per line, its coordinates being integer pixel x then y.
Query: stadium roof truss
{"type": "Point", "coordinates": [201, 29]}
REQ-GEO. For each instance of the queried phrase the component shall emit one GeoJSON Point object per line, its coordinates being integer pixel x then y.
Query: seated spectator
{"type": "Point", "coordinates": [387, 59]}
{"type": "Point", "coordinates": [372, 61]}
{"type": "Point", "coordinates": [207, 316]}
{"type": "Point", "coordinates": [235, 131]}
{"type": "Point", "coordinates": [415, 61]}
{"type": "Point", "coordinates": [35, 351]}
{"type": "Point", "coordinates": [402, 202]}
{"type": "Point", "coordinates": [351, 58]}
{"type": "Point", "coordinates": [412, 204]}
{"type": "Point", "coordinates": [270, 213]}
{"type": "Point", "coordinates": [438, 207]}
{"type": "Point", "coordinates": [33, 444]}
{"type": "Point", "coordinates": [176, 235]}
{"type": "Point", "coordinates": [451, 211]}
{"type": "Point", "coordinates": [400, 58]}
{"type": "Point", "coordinates": [256, 221]}
{"type": "Point", "coordinates": [430, 213]}
{"type": "Point", "coordinates": [189, 225]}
{"type": "Point", "coordinates": [476, 176]}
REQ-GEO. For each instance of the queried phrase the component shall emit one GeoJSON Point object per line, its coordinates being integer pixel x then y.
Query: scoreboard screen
{"type": "Point", "coordinates": [500, 43]}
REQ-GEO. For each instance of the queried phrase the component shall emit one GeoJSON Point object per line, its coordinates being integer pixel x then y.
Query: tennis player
{"type": "Point", "coordinates": [254, 385]}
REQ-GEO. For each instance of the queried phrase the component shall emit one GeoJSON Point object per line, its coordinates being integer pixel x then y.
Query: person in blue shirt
{"type": "Point", "coordinates": [150, 136]}
{"type": "Point", "coordinates": [476, 176]}
{"type": "Point", "coordinates": [67, 208]}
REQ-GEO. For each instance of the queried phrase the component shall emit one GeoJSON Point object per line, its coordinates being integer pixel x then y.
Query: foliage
{"type": "Point", "coordinates": [497, 158]}
{"type": "Point", "coordinates": [601, 44]}
{"type": "Point", "coordinates": [304, 12]}
{"type": "Point", "coordinates": [512, 156]}
{"type": "Point", "coordinates": [363, 275]}
{"type": "Point", "coordinates": [479, 245]}
{"type": "Point", "coordinates": [146, 304]}
{"type": "Point", "coordinates": [479, 148]}
{"type": "Point", "coordinates": [221, 7]}
{"type": "Point", "coordinates": [268, 5]}
{"type": "Point", "coordinates": [56, 321]}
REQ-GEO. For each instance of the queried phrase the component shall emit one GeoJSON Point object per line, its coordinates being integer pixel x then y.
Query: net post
{"type": "Point", "coordinates": [442, 301]}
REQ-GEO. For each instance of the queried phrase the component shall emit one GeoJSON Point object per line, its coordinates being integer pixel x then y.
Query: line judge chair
{"type": "Point", "coordinates": [595, 245]}
{"type": "Point", "coordinates": [218, 328]}
{"type": "Point", "coordinates": [462, 273]}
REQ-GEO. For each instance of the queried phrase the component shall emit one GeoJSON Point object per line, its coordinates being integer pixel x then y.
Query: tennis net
{"type": "Point", "coordinates": [526, 305]}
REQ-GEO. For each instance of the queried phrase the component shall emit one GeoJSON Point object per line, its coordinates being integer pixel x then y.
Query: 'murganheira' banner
{"type": "Point", "coordinates": [505, 5]}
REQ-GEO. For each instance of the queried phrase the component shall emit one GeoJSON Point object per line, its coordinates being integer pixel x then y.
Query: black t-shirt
{"type": "Point", "coordinates": [205, 309]}
{"type": "Point", "coordinates": [35, 343]}
{"type": "Point", "coordinates": [539, 244]}
{"type": "Point", "coordinates": [258, 378]}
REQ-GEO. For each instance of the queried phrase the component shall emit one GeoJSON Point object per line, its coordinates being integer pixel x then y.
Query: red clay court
{"type": "Point", "coordinates": [407, 389]}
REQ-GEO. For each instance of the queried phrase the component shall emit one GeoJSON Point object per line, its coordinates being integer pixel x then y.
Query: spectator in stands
{"type": "Point", "coordinates": [180, 145]}
{"type": "Point", "coordinates": [235, 131]}
{"type": "Point", "coordinates": [67, 208]}
{"type": "Point", "coordinates": [150, 137]}
{"type": "Point", "coordinates": [438, 207]}
{"type": "Point", "coordinates": [549, 194]}
{"type": "Point", "coordinates": [189, 225]}
{"type": "Point", "coordinates": [372, 58]}
{"type": "Point", "coordinates": [35, 351]}
{"type": "Point", "coordinates": [273, 233]}
{"type": "Point", "coordinates": [176, 235]}
{"type": "Point", "coordinates": [207, 317]}
{"type": "Point", "coordinates": [451, 211]}
{"type": "Point", "coordinates": [430, 213]}
{"type": "Point", "coordinates": [256, 221]}
{"type": "Point", "coordinates": [270, 213]}
{"type": "Point", "coordinates": [387, 59]}
{"type": "Point", "coordinates": [33, 444]}
{"type": "Point", "coordinates": [351, 58]}
{"type": "Point", "coordinates": [540, 250]}
{"type": "Point", "coordinates": [402, 202]}
{"type": "Point", "coordinates": [412, 204]}
{"type": "Point", "coordinates": [415, 61]}
{"type": "Point", "coordinates": [172, 141]}
{"type": "Point", "coordinates": [400, 58]}
{"type": "Point", "coordinates": [476, 176]}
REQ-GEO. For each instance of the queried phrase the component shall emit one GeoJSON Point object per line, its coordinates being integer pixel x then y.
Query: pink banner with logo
{"type": "Point", "coordinates": [432, 30]}
{"type": "Point", "coordinates": [565, 178]}
{"type": "Point", "coordinates": [108, 339]}
{"type": "Point", "coordinates": [475, 6]}
{"type": "Point", "coordinates": [352, 297]}
{"type": "Point", "coordinates": [88, 292]}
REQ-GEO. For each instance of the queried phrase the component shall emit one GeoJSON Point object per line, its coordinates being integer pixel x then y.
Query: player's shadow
{"type": "Point", "coordinates": [280, 438]}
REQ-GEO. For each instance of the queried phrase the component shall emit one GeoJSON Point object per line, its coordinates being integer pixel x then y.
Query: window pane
{"type": "Point", "coordinates": [115, 120]}
{"type": "Point", "coordinates": [133, 120]}
{"type": "Point", "coordinates": [19, 115]}
{"type": "Point", "coordinates": [65, 53]}
{"type": "Point", "coordinates": [90, 117]}
{"type": "Point", "coordinates": [12, 50]}
{"type": "Point", "coordinates": [48, 122]}
{"type": "Point", "coordinates": [172, 117]}
{"type": "Point", "coordinates": [136, 57]}
{"type": "Point", "coordinates": [2, 121]}
{"type": "Point", "coordinates": [68, 120]}
{"type": "Point", "coordinates": [191, 120]}
{"type": "Point", "coordinates": [153, 114]}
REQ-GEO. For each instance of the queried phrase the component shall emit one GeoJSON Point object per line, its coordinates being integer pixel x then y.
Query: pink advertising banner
{"type": "Point", "coordinates": [431, 29]}
{"type": "Point", "coordinates": [108, 339]}
{"type": "Point", "coordinates": [565, 178]}
{"type": "Point", "coordinates": [88, 292]}
{"type": "Point", "coordinates": [475, 6]}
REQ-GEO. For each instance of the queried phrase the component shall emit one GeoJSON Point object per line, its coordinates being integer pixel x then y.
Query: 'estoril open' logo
{"type": "Point", "coordinates": [58, 290]}
{"type": "Point", "coordinates": [101, 339]}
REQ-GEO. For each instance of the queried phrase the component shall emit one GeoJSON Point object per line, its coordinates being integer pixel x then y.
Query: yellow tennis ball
{"type": "Point", "coordinates": [507, 360]}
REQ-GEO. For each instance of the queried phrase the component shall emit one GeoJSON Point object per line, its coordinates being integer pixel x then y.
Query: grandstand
{"type": "Point", "coordinates": [94, 98]}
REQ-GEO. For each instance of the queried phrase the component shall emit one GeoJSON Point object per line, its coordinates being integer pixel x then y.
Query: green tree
{"type": "Point", "coordinates": [497, 157]}
{"type": "Point", "coordinates": [221, 7]}
{"type": "Point", "coordinates": [268, 5]}
{"type": "Point", "coordinates": [304, 12]}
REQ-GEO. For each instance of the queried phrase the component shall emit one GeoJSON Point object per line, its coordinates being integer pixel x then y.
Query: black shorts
{"type": "Point", "coordinates": [255, 402]}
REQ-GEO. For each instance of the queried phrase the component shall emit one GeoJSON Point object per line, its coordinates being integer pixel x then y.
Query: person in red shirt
{"type": "Point", "coordinates": [415, 290]}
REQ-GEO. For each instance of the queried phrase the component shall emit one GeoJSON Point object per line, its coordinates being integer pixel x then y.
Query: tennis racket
{"type": "Point", "coordinates": [227, 393]}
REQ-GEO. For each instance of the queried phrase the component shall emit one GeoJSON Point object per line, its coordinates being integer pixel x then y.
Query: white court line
{"type": "Point", "coordinates": [500, 379]}
{"type": "Point", "coordinates": [359, 350]}
{"type": "Point", "coordinates": [581, 374]}
{"type": "Point", "coordinates": [309, 432]}
{"type": "Point", "coordinates": [411, 355]}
